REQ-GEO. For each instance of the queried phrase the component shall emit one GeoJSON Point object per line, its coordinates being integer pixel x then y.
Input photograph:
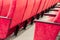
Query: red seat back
{"type": "Point", "coordinates": [28, 10]}
{"type": "Point", "coordinates": [19, 12]}
{"type": "Point", "coordinates": [41, 6]}
{"type": "Point", "coordinates": [46, 31]}
{"type": "Point", "coordinates": [8, 6]}
{"type": "Point", "coordinates": [45, 5]}
{"type": "Point", "coordinates": [1, 5]}
{"type": "Point", "coordinates": [49, 3]}
{"type": "Point", "coordinates": [35, 8]}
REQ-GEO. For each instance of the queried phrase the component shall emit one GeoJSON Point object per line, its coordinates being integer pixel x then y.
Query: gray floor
{"type": "Point", "coordinates": [24, 34]}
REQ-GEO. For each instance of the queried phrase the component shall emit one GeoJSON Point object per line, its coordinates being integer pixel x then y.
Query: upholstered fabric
{"type": "Point", "coordinates": [19, 12]}
{"type": "Point", "coordinates": [28, 10]}
{"type": "Point", "coordinates": [5, 21]}
{"type": "Point", "coordinates": [6, 7]}
{"type": "Point", "coordinates": [35, 8]}
{"type": "Point", "coordinates": [4, 28]}
{"type": "Point", "coordinates": [57, 18]}
{"type": "Point", "coordinates": [1, 5]}
{"type": "Point", "coordinates": [46, 31]}
{"type": "Point", "coordinates": [41, 6]}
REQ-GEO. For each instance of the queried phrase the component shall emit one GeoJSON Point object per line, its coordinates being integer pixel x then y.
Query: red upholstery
{"type": "Point", "coordinates": [6, 7]}
{"type": "Point", "coordinates": [41, 6]}
{"type": "Point", "coordinates": [45, 5]}
{"type": "Point", "coordinates": [45, 31]}
{"type": "Point", "coordinates": [49, 5]}
{"type": "Point", "coordinates": [57, 18]}
{"type": "Point", "coordinates": [28, 10]}
{"type": "Point", "coordinates": [4, 28]}
{"type": "Point", "coordinates": [19, 12]}
{"type": "Point", "coordinates": [5, 22]}
{"type": "Point", "coordinates": [59, 0]}
{"type": "Point", "coordinates": [35, 8]}
{"type": "Point", "coordinates": [1, 3]}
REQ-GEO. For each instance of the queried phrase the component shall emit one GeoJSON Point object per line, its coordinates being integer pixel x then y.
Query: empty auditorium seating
{"type": "Point", "coordinates": [15, 12]}
{"type": "Point", "coordinates": [47, 30]}
{"type": "Point", "coordinates": [45, 5]}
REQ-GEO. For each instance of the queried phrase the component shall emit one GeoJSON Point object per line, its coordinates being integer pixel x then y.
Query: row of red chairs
{"type": "Point", "coordinates": [15, 12]}
{"type": "Point", "coordinates": [49, 29]}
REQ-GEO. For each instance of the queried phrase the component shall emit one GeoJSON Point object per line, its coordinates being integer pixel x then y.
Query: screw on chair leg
{"type": "Point", "coordinates": [16, 31]}
{"type": "Point", "coordinates": [25, 25]}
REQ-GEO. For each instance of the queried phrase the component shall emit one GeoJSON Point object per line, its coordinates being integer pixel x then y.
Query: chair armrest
{"type": "Point", "coordinates": [54, 23]}
{"type": "Point", "coordinates": [3, 17]}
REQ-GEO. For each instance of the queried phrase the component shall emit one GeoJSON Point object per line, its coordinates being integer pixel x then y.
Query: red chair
{"type": "Point", "coordinates": [28, 10]}
{"type": "Point", "coordinates": [47, 30]}
{"type": "Point", "coordinates": [4, 19]}
{"type": "Point", "coordinates": [48, 4]}
{"type": "Point", "coordinates": [5, 7]}
{"type": "Point", "coordinates": [19, 12]}
{"type": "Point", "coordinates": [1, 5]}
{"type": "Point", "coordinates": [41, 6]}
{"type": "Point", "coordinates": [9, 18]}
{"type": "Point", "coordinates": [45, 5]}
{"type": "Point", "coordinates": [59, 0]}
{"type": "Point", "coordinates": [35, 8]}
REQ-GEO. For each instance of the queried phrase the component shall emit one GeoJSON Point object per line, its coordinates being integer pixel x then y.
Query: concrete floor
{"type": "Point", "coordinates": [27, 34]}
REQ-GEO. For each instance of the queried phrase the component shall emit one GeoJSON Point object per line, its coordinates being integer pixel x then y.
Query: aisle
{"type": "Point", "coordinates": [24, 34]}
